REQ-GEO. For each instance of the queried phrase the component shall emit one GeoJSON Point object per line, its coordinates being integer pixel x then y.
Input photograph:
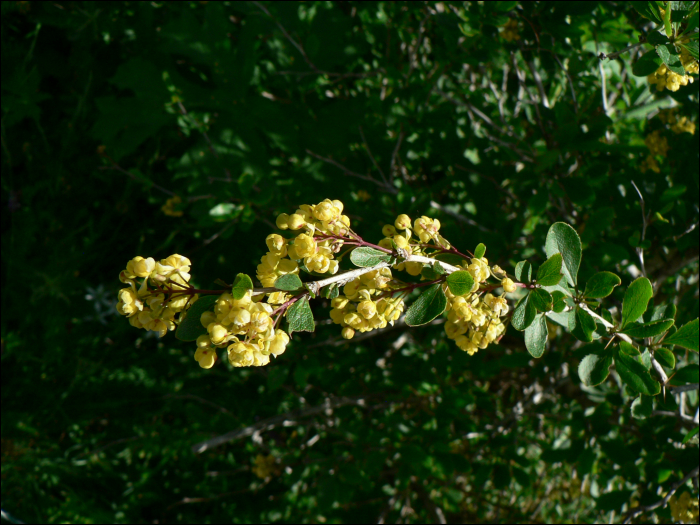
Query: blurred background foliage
{"type": "Point", "coordinates": [144, 128]}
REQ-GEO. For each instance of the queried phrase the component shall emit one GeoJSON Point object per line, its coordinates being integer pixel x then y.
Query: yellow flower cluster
{"type": "Point", "coordinates": [510, 31]}
{"type": "Point", "coordinates": [236, 319]}
{"type": "Point", "coordinates": [665, 78]}
{"type": "Point", "coordinates": [317, 255]}
{"type": "Point", "coordinates": [362, 307]}
{"type": "Point", "coordinates": [677, 124]}
{"type": "Point", "coordinates": [684, 508]}
{"type": "Point", "coordinates": [151, 305]}
{"type": "Point", "coordinates": [658, 145]}
{"type": "Point", "coordinates": [265, 466]}
{"type": "Point", "coordinates": [473, 322]}
{"type": "Point", "coordinates": [400, 233]}
{"type": "Point", "coordinates": [170, 207]}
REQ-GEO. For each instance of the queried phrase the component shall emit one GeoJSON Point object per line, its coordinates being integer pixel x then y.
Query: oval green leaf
{"type": "Point", "coordinates": [670, 57]}
{"type": "Point", "coordinates": [523, 272]}
{"type": "Point", "coordinates": [460, 282]}
{"type": "Point", "coordinates": [427, 307]}
{"type": "Point", "coordinates": [365, 257]}
{"type": "Point", "coordinates": [665, 357]}
{"type": "Point", "coordinates": [562, 238]}
{"type": "Point", "coordinates": [480, 250]}
{"type": "Point", "coordinates": [687, 374]}
{"type": "Point", "coordinates": [191, 327]}
{"type": "Point", "coordinates": [582, 325]}
{"type": "Point", "coordinates": [549, 273]}
{"type": "Point", "coordinates": [241, 285]}
{"type": "Point", "coordinates": [636, 300]}
{"type": "Point", "coordinates": [635, 375]}
{"type": "Point", "coordinates": [648, 329]}
{"type": "Point", "coordinates": [686, 336]}
{"type": "Point", "coordinates": [647, 64]}
{"type": "Point", "coordinates": [558, 301]}
{"type": "Point", "coordinates": [642, 407]}
{"type": "Point", "coordinates": [523, 314]}
{"type": "Point", "coordinates": [601, 285]}
{"type": "Point", "coordinates": [536, 336]}
{"type": "Point", "coordinates": [541, 300]}
{"type": "Point", "coordinates": [299, 317]}
{"type": "Point", "coordinates": [595, 368]}
{"type": "Point", "coordinates": [288, 282]}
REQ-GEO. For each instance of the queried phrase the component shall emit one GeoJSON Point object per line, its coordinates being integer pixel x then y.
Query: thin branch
{"type": "Point", "coordinates": [395, 152]}
{"type": "Point", "coordinates": [603, 56]}
{"type": "Point", "coordinates": [459, 217]}
{"type": "Point", "coordinates": [640, 250]}
{"type": "Point", "coordinates": [661, 503]}
{"type": "Point", "coordinates": [289, 37]}
{"type": "Point", "coordinates": [673, 414]}
{"type": "Point", "coordinates": [684, 388]}
{"type": "Point", "coordinates": [346, 171]}
{"type": "Point", "coordinates": [288, 419]}
{"type": "Point", "coordinates": [381, 172]}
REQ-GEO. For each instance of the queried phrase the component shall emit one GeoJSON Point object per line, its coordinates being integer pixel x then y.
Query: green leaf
{"type": "Point", "coordinates": [655, 38]}
{"type": "Point", "coordinates": [665, 357]}
{"type": "Point", "coordinates": [629, 349]}
{"type": "Point", "coordinates": [541, 299]}
{"type": "Point", "coordinates": [692, 47]}
{"type": "Point", "coordinates": [427, 307]}
{"type": "Point", "coordinates": [595, 368]}
{"type": "Point", "coordinates": [523, 272]}
{"type": "Point", "coordinates": [536, 336]}
{"type": "Point", "coordinates": [365, 257]}
{"type": "Point", "coordinates": [648, 329]}
{"type": "Point", "coordinates": [549, 273]}
{"type": "Point", "coordinates": [523, 314]}
{"type": "Point", "coordinates": [241, 285]}
{"type": "Point", "coordinates": [642, 407]}
{"type": "Point", "coordinates": [562, 238]}
{"type": "Point", "coordinates": [460, 283]}
{"type": "Point", "coordinates": [692, 433]}
{"type": "Point", "coordinates": [191, 327]}
{"type": "Point", "coordinates": [582, 325]}
{"type": "Point", "coordinates": [670, 57]}
{"type": "Point", "coordinates": [558, 301]}
{"type": "Point", "coordinates": [300, 317]}
{"type": "Point", "coordinates": [480, 250]}
{"type": "Point", "coordinates": [288, 282]}
{"type": "Point", "coordinates": [648, 10]}
{"type": "Point", "coordinates": [664, 311]}
{"type": "Point", "coordinates": [601, 285]}
{"type": "Point", "coordinates": [439, 268]}
{"type": "Point", "coordinates": [330, 291]}
{"type": "Point", "coordinates": [647, 64]}
{"type": "Point", "coordinates": [429, 273]}
{"type": "Point", "coordinates": [667, 21]}
{"type": "Point", "coordinates": [687, 374]}
{"type": "Point", "coordinates": [636, 300]}
{"type": "Point", "coordinates": [686, 336]}
{"type": "Point", "coordinates": [635, 375]}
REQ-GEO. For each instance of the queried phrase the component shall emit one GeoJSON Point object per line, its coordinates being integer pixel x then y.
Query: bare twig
{"type": "Point", "coordinates": [640, 250]}
{"type": "Point", "coordinates": [289, 37]}
{"type": "Point", "coordinates": [684, 388]}
{"type": "Point", "coordinates": [662, 502]}
{"type": "Point", "coordinates": [346, 171]}
{"type": "Point", "coordinates": [379, 169]}
{"type": "Point", "coordinates": [603, 56]}
{"type": "Point", "coordinates": [288, 419]}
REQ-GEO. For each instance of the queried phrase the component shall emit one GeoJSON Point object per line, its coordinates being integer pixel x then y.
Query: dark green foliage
{"type": "Point", "coordinates": [148, 129]}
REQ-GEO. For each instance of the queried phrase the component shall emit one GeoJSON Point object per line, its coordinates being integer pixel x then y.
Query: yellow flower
{"type": "Point", "coordinates": [206, 357]}
{"type": "Point", "coordinates": [510, 31]}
